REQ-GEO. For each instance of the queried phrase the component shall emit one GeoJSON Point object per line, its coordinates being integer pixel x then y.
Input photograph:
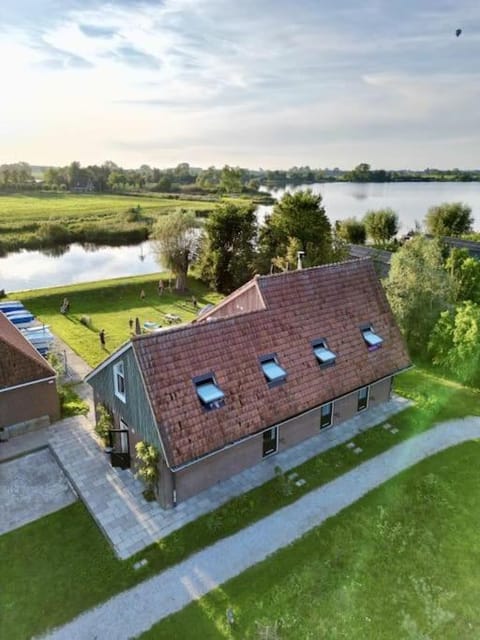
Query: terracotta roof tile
{"type": "Point", "coordinates": [330, 302]}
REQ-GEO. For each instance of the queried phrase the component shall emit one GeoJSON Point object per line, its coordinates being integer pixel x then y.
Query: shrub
{"type": "Point", "coordinates": [86, 321]}
{"type": "Point", "coordinates": [104, 423]}
{"type": "Point", "coordinates": [148, 456]}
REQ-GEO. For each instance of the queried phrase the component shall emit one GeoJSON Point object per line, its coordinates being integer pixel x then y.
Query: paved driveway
{"type": "Point", "coordinates": [30, 488]}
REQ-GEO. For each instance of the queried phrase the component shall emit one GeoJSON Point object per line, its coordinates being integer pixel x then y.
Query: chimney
{"type": "Point", "coordinates": [300, 255]}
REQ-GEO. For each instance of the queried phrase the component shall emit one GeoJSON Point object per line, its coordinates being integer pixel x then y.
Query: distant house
{"type": "Point", "coordinates": [83, 186]}
{"type": "Point", "coordinates": [277, 361]}
{"type": "Point", "coordinates": [27, 382]}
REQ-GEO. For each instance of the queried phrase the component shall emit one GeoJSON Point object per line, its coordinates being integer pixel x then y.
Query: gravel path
{"type": "Point", "coordinates": [136, 610]}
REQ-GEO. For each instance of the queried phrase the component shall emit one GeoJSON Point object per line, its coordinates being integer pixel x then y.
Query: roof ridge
{"type": "Point", "coordinates": [307, 269]}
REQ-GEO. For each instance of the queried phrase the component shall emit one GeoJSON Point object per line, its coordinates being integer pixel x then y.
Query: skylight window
{"type": "Point", "coordinates": [272, 371]}
{"type": "Point", "coordinates": [323, 354]}
{"type": "Point", "coordinates": [209, 393]}
{"type": "Point", "coordinates": [373, 340]}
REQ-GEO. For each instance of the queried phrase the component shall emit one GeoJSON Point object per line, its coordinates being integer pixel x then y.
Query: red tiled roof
{"type": "Point", "coordinates": [330, 302]}
{"type": "Point", "coordinates": [19, 361]}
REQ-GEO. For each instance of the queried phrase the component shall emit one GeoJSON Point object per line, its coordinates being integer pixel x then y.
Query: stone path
{"type": "Point", "coordinates": [136, 610]}
{"type": "Point", "coordinates": [31, 487]}
{"type": "Point", "coordinates": [114, 497]}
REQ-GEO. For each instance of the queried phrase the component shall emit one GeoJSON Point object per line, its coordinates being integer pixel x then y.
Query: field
{"type": "Point", "coordinates": [47, 219]}
{"type": "Point", "coordinates": [65, 558]}
{"type": "Point", "coordinates": [400, 564]}
{"type": "Point", "coordinates": [109, 304]}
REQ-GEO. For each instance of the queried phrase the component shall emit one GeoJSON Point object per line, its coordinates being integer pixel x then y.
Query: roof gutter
{"type": "Point", "coordinates": [28, 384]}
{"type": "Point", "coordinates": [279, 424]}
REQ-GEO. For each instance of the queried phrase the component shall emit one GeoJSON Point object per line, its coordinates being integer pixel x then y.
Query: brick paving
{"type": "Point", "coordinates": [130, 523]}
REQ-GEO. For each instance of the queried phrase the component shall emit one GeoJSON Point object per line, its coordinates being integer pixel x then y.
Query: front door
{"type": "Point", "coordinates": [120, 449]}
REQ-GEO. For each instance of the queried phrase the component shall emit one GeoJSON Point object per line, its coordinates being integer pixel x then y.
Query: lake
{"type": "Point", "coordinates": [411, 200]}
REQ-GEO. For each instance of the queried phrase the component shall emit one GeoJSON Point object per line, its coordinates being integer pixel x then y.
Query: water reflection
{"type": "Point", "coordinates": [77, 263]}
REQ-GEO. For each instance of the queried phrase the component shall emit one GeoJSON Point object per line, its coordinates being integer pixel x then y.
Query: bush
{"type": "Point", "coordinates": [104, 423]}
{"type": "Point", "coordinates": [148, 456]}
{"type": "Point", "coordinates": [86, 321]}
{"type": "Point", "coordinates": [71, 404]}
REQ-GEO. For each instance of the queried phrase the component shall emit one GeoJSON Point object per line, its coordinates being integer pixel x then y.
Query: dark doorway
{"type": "Point", "coordinates": [120, 448]}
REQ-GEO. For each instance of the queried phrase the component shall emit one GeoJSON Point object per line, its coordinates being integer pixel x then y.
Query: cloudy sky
{"type": "Point", "coordinates": [257, 83]}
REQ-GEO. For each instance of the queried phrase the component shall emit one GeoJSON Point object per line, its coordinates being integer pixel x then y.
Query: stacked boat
{"type": "Point", "coordinates": [39, 336]}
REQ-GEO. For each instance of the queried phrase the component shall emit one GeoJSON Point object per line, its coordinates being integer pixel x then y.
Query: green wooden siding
{"type": "Point", "coordinates": [136, 410]}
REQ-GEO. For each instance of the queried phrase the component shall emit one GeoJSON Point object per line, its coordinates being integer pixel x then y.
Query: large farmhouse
{"type": "Point", "coordinates": [27, 382]}
{"type": "Point", "coordinates": [280, 359]}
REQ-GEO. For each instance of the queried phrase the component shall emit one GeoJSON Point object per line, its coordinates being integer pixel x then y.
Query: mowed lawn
{"type": "Point", "coordinates": [65, 559]}
{"type": "Point", "coordinates": [110, 304]}
{"type": "Point", "coordinates": [402, 563]}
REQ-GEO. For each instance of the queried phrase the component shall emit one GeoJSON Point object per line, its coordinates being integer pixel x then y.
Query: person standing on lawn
{"type": "Point", "coordinates": [101, 335]}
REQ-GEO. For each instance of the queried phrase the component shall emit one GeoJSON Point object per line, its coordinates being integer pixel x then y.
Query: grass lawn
{"type": "Point", "coordinates": [40, 207]}
{"type": "Point", "coordinates": [84, 217]}
{"type": "Point", "coordinates": [402, 563]}
{"type": "Point", "coordinates": [33, 603]}
{"type": "Point", "coordinates": [110, 304]}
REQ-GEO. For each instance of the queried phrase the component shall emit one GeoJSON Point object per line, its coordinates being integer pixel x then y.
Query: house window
{"type": "Point", "coordinates": [119, 381]}
{"type": "Point", "coordinates": [372, 339]}
{"type": "Point", "coordinates": [270, 441]}
{"type": "Point", "coordinates": [208, 392]}
{"type": "Point", "coordinates": [323, 354]}
{"type": "Point", "coordinates": [326, 415]}
{"type": "Point", "coordinates": [273, 372]}
{"type": "Point", "coordinates": [362, 399]}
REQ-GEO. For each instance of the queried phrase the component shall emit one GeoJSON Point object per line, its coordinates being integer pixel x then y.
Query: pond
{"type": "Point", "coordinates": [411, 200]}
{"type": "Point", "coordinates": [36, 269]}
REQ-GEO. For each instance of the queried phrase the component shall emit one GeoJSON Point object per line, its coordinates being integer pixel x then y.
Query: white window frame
{"type": "Point", "coordinates": [119, 370]}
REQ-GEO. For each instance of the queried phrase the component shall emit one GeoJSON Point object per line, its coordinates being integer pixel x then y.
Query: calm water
{"type": "Point", "coordinates": [34, 269]}
{"type": "Point", "coordinates": [411, 200]}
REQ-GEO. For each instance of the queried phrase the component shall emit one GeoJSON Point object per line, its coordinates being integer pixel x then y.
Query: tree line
{"type": "Point", "coordinates": [381, 226]}
{"type": "Point", "coordinates": [231, 247]}
{"type": "Point", "coordinates": [110, 177]}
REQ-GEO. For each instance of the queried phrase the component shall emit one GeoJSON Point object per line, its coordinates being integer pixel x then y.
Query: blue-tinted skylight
{"type": "Point", "coordinates": [209, 393]}
{"type": "Point", "coordinates": [371, 338]}
{"type": "Point", "coordinates": [324, 355]}
{"type": "Point", "coordinates": [273, 371]}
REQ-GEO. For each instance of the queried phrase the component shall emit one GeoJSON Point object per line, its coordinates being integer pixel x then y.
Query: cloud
{"type": "Point", "coordinates": [96, 32]}
{"type": "Point", "coordinates": [270, 81]}
{"type": "Point", "coordinates": [131, 56]}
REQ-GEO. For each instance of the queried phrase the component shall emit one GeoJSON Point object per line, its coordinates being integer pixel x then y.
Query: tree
{"type": "Point", "coordinates": [465, 276]}
{"type": "Point", "coordinates": [231, 179]}
{"type": "Point", "coordinates": [418, 289]}
{"type": "Point", "coordinates": [449, 219]}
{"type": "Point", "coordinates": [176, 239]}
{"type": "Point", "coordinates": [226, 258]}
{"type": "Point", "coordinates": [455, 342]}
{"type": "Point", "coordinates": [361, 173]}
{"type": "Point", "coordinates": [381, 225]}
{"type": "Point", "coordinates": [299, 220]}
{"type": "Point", "coordinates": [351, 230]}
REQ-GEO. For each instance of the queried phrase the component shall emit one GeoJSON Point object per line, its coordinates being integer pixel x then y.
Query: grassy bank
{"type": "Point", "coordinates": [48, 219]}
{"type": "Point", "coordinates": [400, 564]}
{"type": "Point", "coordinates": [109, 304]}
{"type": "Point", "coordinates": [67, 548]}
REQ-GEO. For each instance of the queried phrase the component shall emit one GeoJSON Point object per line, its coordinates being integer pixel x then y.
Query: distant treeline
{"type": "Point", "coordinates": [183, 178]}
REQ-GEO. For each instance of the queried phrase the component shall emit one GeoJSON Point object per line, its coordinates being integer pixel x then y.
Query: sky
{"type": "Point", "coordinates": [254, 83]}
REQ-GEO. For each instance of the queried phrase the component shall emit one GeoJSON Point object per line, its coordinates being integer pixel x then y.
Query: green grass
{"type": "Point", "coordinates": [82, 218]}
{"type": "Point", "coordinates": [401, 563]}
{"type": "Point", "coordinates": [110, 304]}
{"type": "Point", "coordinates": [436, 400]}
{"type": "Point", "coordinates": [38, 207]}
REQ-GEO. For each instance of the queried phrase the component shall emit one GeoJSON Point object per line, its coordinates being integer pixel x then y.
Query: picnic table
{"type": "Point", "coordinates": [172, 317]}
